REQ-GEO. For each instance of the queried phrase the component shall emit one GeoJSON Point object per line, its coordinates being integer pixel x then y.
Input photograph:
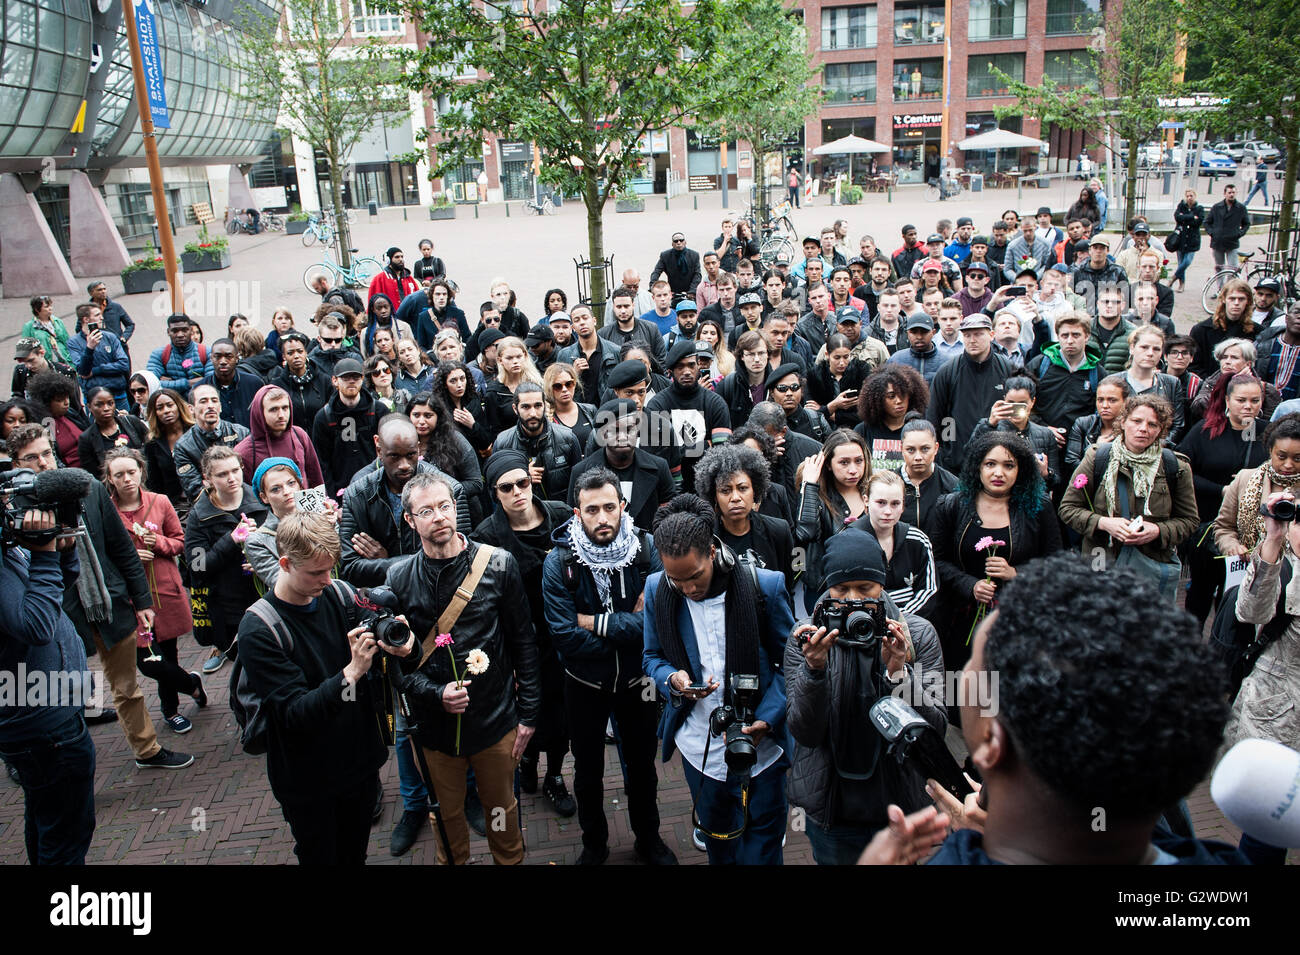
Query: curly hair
{"type": "Point", "coordinates": [439, 383]}
{"type": "Point", "coordinates": [766, 443]}
{"type": "Point", "coordinates": [683, 525]}
{"type": "Point", "coordinates": [1285, 428]}
{"type": "Point", "coordinates": [1070, 703]}
{"type": "Point", "coordinates": [47, 386]}
{"type": "Point", "coordinates": [546, 300]}
{"type": "Point", "coordinates": [1163, 411]}
{"type": "Point", "coordinates": [1029, 492]}
{"type": "Point", "coordinates": [725, 460]}
{"type": "Point", "coordinates": [32, 412]}
{"type": "Point", "coordinates": [905, 381]}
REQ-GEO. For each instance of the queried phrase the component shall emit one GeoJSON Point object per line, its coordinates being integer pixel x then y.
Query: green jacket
{"type": "Point", "coordinates": [1117, 351]}
{"type": "Point", "coordinates": [56, 345]}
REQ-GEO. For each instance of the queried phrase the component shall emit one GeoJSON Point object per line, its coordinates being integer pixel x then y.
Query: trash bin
{"type": "Point", "coordinates": [373, 208]}
{"type": "Point", "coordinates": [977, 182]}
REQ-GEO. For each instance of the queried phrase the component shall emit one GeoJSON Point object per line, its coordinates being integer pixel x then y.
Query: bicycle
{"type": "Point", "coordinates": [544, 208]}
{"type": "Point", "coordinates": [945, 188]}
{"type": "Point", "coordinates": [241, 221]}
{"type": "Point", "coordinates": [359, 274]}
{"type": "Point", "coordinates": [1251, 269]}
{"type": "Point", "coordinates": [318, 228]}
{"type": "Point", "coordinates": [273, 222]}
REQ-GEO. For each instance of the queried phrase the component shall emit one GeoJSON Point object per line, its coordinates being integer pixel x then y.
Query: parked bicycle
{"type": "Point", "coordinates": [242, 220]}
{"type": "Point", "coordinates": [360, 273]}
{"type": "Point", "coordinates": [1253, 266]}
{"type": "Point", "coordinates": [544, 208]}
{"type": "Point", "coordinates": [946, 187]}
{"type": "Point", "coordinates": [319, 227]}
{"type": "Point", "coordinates": [273, 222]}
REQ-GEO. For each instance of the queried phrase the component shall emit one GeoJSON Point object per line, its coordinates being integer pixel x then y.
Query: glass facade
{"type": "Point", "coordinates": [850, 82]}
{"type": "Point", "coordinates": [982, 81]}
{"type": "Point", "coordinates": [848, 28]}
{"type": "Point", "coordinates": [996, 20]}
{"type": "Point", "coordinates": [918, 79]}
{"type": "Point", "coordinates": [1070, 69]}
{"type": "Point", "coordinates": [44, 65]}
{"type": "Point", "coordinates": [918, 23]}
{"type": "Point", "coordinates": [1072, 16]}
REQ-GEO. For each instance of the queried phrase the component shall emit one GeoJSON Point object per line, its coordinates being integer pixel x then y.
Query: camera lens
{"type": "Point", "coordinates": [1284, 510]}
{"type": "Point", "coordinates": [859, 625]}
{"type": "Point", "coordinates": [392, 632]}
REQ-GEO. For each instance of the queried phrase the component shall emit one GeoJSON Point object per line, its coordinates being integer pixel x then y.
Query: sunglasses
{"type": "Point", "coordinates": [785, 389]}
{"type": "Point", "coordinates": [492, 321]}
{"type": "Point", "coordinates": [332, 341]}
{"type": "Point", "coordinates": [382, 370]}
{"type": "Point", "coordinates": [562, 386]}
{"type": "Point", "coordinates": [508, 486]}
{"type": "Point", "coordinates": [139, 391]}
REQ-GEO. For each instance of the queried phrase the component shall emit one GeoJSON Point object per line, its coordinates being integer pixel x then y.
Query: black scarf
{"type": "Point", "coordinates": [741, 625]}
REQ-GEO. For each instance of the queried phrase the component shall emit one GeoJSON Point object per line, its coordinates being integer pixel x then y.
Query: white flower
{"type": "Point", "coordinates": [476, 662]}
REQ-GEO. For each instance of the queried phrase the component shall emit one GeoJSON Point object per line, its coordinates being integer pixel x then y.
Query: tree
{"type": "Point", "coordinates": [1253, 61]}
{"type": "Point", "coordinates": [1133, 63]}
{"type": "Point", "coordinates": [324, 92]}
{"type": "Point", "coordinates": [768, 111]}
{"type": "Point", "coordinates": [583, 80]}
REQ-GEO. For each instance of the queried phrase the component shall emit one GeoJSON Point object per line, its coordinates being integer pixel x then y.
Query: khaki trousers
{"type": "Point", "coordinates": [128, 698]}
{"type": "Point", "coordinates": [494, 773]}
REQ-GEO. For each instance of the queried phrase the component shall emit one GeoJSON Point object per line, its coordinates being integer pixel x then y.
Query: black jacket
{"type": "Point", "coordinates": [188, 452]}
{"type": "Point", "coordinates": [918, 508]}
{"type": "Point", "coordinates": [728, 318]}
{"type": "Point", "coordinates": [1227, 224]}
{"type": "Point", "coordinates": [609, 656]}
{"type": "Point", "coordinates": [479, 435]}
{"type": "Point", "coordinates": [495, 621]}
{"type": "Point", "coordinates": [1083, 434]}
{"type": "Point", "coordinates": [696, 421]}
{"type": "Point", "coordinates": [260, 365]}
{"type": "Point", "coordinates": [237, 397]}
{"type": "Point", "coordinates": [734, 390]}
{"type": "Point", "coordinates": [91, 445]}
{"type": "Point", "coordinates": [217, 562]}
{"type": "Point", "coordinates": [1189, 220]}
{"type": "Point", "coordinates": [555, 450]}
{"type": "Point", "coordinates": [163, 479]}
{"type": "Point", "coordinates": [652, 484]}
{"type": "Point", "coordinates": [644, 331]}
{"type": "Point", "coordinates": [599, 365]}
{"type": "Point", "coordinates": [964, 391]}
{"type": "Point", "coordinates": [683, 277]}
{"type": "Point", "coordinates": [365, 510]}
{"type": "Point", "coordinates": [307, 395]}
{"type": "Point", "coordinates": [1207, 336]}
{"type": "Point", "coordinates": [822, 388]}
{"type": "Point", "coordinates": [345, 438]}
{"type": "Point", "coordinates": [812, 424]}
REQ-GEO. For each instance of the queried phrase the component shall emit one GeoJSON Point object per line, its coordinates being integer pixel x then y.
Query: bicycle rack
{"type": "Point", "coordinates": [584, 268]}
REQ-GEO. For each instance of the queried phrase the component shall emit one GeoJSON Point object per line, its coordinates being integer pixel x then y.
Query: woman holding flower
{"type": "Point", "coordinates": [156, 532]}
{"type": "Point", "coordinates": [108, 429]}
{"type": "Point", "coordinates": [1101, 503]}
{"type": "Point", "coordinates": [998, 518]}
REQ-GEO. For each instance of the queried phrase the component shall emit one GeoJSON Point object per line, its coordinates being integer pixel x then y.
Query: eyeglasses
{"type": "Point", "coordinates": [445, 508]}
{"type": "Point", "coordinates": [507, 486]}
{"type": "Point", "coordinates": [46, 455]}
{"type": "Point", "coordinates": [785, 389]}
{"type": "Point", "coordinates": [492, 320]}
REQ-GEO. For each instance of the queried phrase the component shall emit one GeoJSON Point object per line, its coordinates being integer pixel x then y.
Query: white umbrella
{"type": "Point", "coordinates": [850, 145]}
{"type": "Point", "coordinates": [996, 139]}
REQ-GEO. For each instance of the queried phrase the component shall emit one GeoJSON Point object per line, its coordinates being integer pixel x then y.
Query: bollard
{"type": "Point", "coordinates": [697, 203]}
{"type": "Point", "coordinates": [507, 210]}
{"type": "Point", "coordinates": [476, 210]}
{"type": "Point", "coordinates": [666, 209]}
{"type": "Point", "coordinates": [404, 216]}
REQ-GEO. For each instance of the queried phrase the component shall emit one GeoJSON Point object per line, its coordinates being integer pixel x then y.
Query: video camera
{"type": "Point", "coordinates": [912, 740]}
{"type": "Point", "coordinates": [861, 623]}
{"type": "Point", "coordinates": [378, 607]}
{"type": "Point", "coordinates": [728, 720]}
{"type": "Point", "coordinates": [62, 491]}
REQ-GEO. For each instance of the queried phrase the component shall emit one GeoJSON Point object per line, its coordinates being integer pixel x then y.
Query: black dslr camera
{"type": "Point", "coordinates": [861, 623]}
{"type": "Point", "coordinates": [62, 491]}
{"type": "Point", "coordinates": [378, 607]}
{"type": "Point", "coordinates": [728, 719]}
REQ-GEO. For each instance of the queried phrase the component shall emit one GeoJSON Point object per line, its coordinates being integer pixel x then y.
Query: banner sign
{"type": "Point", "coordinates": [146, 29]}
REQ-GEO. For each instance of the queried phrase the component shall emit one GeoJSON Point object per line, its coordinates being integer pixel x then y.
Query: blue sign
{"type": "Point", "coordinates": [151, 61]}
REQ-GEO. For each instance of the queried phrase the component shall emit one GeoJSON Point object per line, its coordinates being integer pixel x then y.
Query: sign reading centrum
{"type": "Point", "coordinates": [151, 62]}
{"type": "Point", "coordinates": [917, 120]}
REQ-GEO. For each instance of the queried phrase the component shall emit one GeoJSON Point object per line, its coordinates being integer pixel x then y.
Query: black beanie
{"type": "Point", "coordinates": [500, 463]}
{"type": "Point", "coordinates": [852, 555]}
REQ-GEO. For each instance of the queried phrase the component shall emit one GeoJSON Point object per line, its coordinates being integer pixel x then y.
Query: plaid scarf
{"type": "Point", "coordinates": [604, 561]}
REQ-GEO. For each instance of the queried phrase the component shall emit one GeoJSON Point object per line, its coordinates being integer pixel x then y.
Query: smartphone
{"type": "Point", "coordinates": [851, 393]}
{"type": "Point", "coordinates": [92, 327]}
{"type": "Point", "coordinates": [698, 687]}
{"type": "Point", "coordinates": [311, 500]}
{"type": "Point", "coordinates": [1015, 291]}
{"type": "Point", "coordinates": [1135, 524]}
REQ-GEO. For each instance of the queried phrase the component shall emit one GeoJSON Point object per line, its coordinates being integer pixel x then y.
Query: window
{"type": "Point", "coordinates": [1070, 69]}
{"type": "Point", "coordinates": [374, 17]}
{"type": "Point", "coordinates": [848, 28]}
{"type": "Point", "coordinates": [918, 79]}
{"type": "Point", "coordinates": [918, 23]}
{"type": "Point", "coordinates": [982, 81]}
{"type": "Point", "coordinates": [850, 82]}
{"type": "Point", "coordinates": [1072, 16]}
{"type": "Point", "coordinates": [495, 9]}
{"type": "Point", "coordinates": [997, 20]}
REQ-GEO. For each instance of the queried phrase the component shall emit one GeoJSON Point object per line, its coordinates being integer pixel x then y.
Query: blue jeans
{"type": "Point", "coordinates": [1184, 262]}
{"type": "Point", "coordinates": [1261, 185]}
{"type": "Point", "coordinates": [415, 798]}
{"type": "Point", "coordinates": [57, 773]}
{"type": "Point", "coordinates": [839, 845]}
{"type": "Point", "coordinates": [717, 805]}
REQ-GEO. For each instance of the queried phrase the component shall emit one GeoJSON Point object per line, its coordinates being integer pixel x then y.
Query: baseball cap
{"type": "Point", "coordinates": [703, 351]}
{"type": "Point", "coordinates": [24, 347]}
{"type": "Point", "coordinates": [1142, 228]}
{"type": "Point", "coordinates": [859, 260]}
{"type": "Point", "coordinates": [935, 238]}
{"type": "Point", "coordinates": [1060, 267]}
{"type": "Point", "coordinates": [686, 306]}
{"type": "Point", "coordinates": [919, 320]}
{"type": "Point", "coordinates": [977, 267]}
{"type": "Point", "coordinates": [749, 298]}
{"type": "Point", "coordinates": [348, 366]}
{"type": "Point", "coordinates": [972, 322]}
{"type": "Point", "coordinates": [1269, 284]}
{"type": "Point", "coordinates": [847, 313]}
{"type": "Point", "coordinates": [965, 220]}
{"type": "Point", "coordinates": [1099, 239]}
{"type": "Point", "coordinates": [558, 317]}
{"type": "Point", "coordinates": [781, 259]}
{"type": "Point", "coordinates": [810, 238]}
{"type": "Point", "coordinates": [931, 266]}
{"type": "Point", "coordinates": [538, 334]}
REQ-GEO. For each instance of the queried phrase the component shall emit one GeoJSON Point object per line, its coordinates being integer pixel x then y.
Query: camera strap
{"type": "Point", "coordinates": [464, 591]}
{"type": "Point", "coordinates": [744, 804]}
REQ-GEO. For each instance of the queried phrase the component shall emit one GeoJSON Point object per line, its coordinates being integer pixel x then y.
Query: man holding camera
{"type": "Point", "coordinates": [47, 746]}
{"type": "Point", "coordinates": [325, 739]}
{"type": "Point", "coordinates": [710, 622]}
{"type": "Point", "coordinates": [475, 695]}
{"type": "Point", "coordinates": [857, 648]}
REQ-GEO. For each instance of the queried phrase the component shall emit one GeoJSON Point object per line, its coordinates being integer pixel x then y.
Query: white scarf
{"type": "Point", "coordinates": [603, 561]}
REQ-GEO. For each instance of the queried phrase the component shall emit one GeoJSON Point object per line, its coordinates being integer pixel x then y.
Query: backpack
{"type": "Point", "coordinates": [248, 708]}
{"type": "Point", "coordinates": [1167, 458]}
{"type": "Point", "coordinates": [1045, 362]}
{"type": "Point", "coordinates": [167, 354]}
{"type": "Point", "coordinates": [1237, 645]}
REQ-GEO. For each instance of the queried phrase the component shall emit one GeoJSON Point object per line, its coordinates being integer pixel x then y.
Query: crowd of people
{"type": "Point", "coordinates": [719, 520]}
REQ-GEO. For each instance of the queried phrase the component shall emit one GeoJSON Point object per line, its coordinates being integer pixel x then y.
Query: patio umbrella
{"type": "Point", "coordinates": [850, 145]}
{"type": "Point", "coordinates": [996, 139]}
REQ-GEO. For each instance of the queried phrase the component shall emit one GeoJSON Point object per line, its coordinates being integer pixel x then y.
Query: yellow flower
{"type": "Point", "coordinates": [476, 662]}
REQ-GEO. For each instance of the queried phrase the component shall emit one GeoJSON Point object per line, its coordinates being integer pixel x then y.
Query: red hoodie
{"type": "Point", "coordinates": [293, 443]}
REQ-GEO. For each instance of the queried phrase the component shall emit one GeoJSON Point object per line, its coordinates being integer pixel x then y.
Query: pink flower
{"type": "Point", "coordinates": [240, 533]}
{"type": "Point", "coordinates": [121, 441]}
{"type": "Point", "coordinates": [151, 526]}
{"type": "Point", "coordinates": [442, 640]}
{"type": "Point", "coordinates": [983, 542]}
{"type": "Point", "coordinates": [1080, 482]}
{"type": "Point", "coordinates": [187, 363]}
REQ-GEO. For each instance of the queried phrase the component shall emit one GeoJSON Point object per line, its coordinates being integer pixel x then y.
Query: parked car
{"type": "Point", "coordinates": [1259, 150]}
{"type": "Point", "coordinates": [1234, 150]}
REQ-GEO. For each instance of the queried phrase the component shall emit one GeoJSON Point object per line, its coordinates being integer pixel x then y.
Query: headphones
{"type": "Point", "coordinates": [724, 558]}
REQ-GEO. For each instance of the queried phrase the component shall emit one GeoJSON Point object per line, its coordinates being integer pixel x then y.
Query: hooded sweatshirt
{"type": "Point", "coordinates": [293, 443]}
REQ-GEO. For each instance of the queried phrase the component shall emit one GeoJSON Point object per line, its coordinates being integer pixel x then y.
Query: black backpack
{"type": "Point", "coordinates": [1237, 645]}
{"type": "Point", "coordinates": [245, 704]}
{"type": "Point", "coordinates": [1167, 458]}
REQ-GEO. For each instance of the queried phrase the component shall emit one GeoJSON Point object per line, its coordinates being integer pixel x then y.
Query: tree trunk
{"type": "Point", "coordinates": [761, 212]}
{"type": "Point", "coordinates": [1130, 188]}
{"type": "Point", "coordinates": [595, 243]}
{"type": "Point", "coordinates": [1285, 224]}
{"type": "Point", "coordinates": [342, 235]}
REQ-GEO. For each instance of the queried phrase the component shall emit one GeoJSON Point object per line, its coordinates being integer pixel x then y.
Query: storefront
{"type": "Point", "coordinates": [987, 160]}
{"type": "Point", "coordinates": [704, 162]}
{"type": "Point", "coordinates": [917, 146]}
{"type": "Point", "coordinates": [461, 183]}
{"type": "Point", "coordinates": [863, 165]}
{"type": "Point", "coordinates": [516, 170]}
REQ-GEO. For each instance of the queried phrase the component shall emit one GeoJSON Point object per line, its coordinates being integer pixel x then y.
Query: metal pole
{"type": "Point", "coordinates": [166, 246]}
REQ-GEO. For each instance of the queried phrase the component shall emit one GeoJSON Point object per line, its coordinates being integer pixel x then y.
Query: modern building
{"type": "Point", "coordinates": [70, 145]}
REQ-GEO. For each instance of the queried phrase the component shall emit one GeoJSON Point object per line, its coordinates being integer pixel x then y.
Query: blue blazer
{"type": "Point", "coordinates": [775, 625]}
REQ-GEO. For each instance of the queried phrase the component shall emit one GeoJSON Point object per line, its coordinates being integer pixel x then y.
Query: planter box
{"type": "Point", "coordinates": [295, 226]}
{"type": "Point", "coordinates": [448, 212]}
{"type": "Point", "coordinates": [142, 280]}
{"type": "Point", "coordinates": [205, 261]}
{"type": "Point", "coordinates": [629, 205]}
